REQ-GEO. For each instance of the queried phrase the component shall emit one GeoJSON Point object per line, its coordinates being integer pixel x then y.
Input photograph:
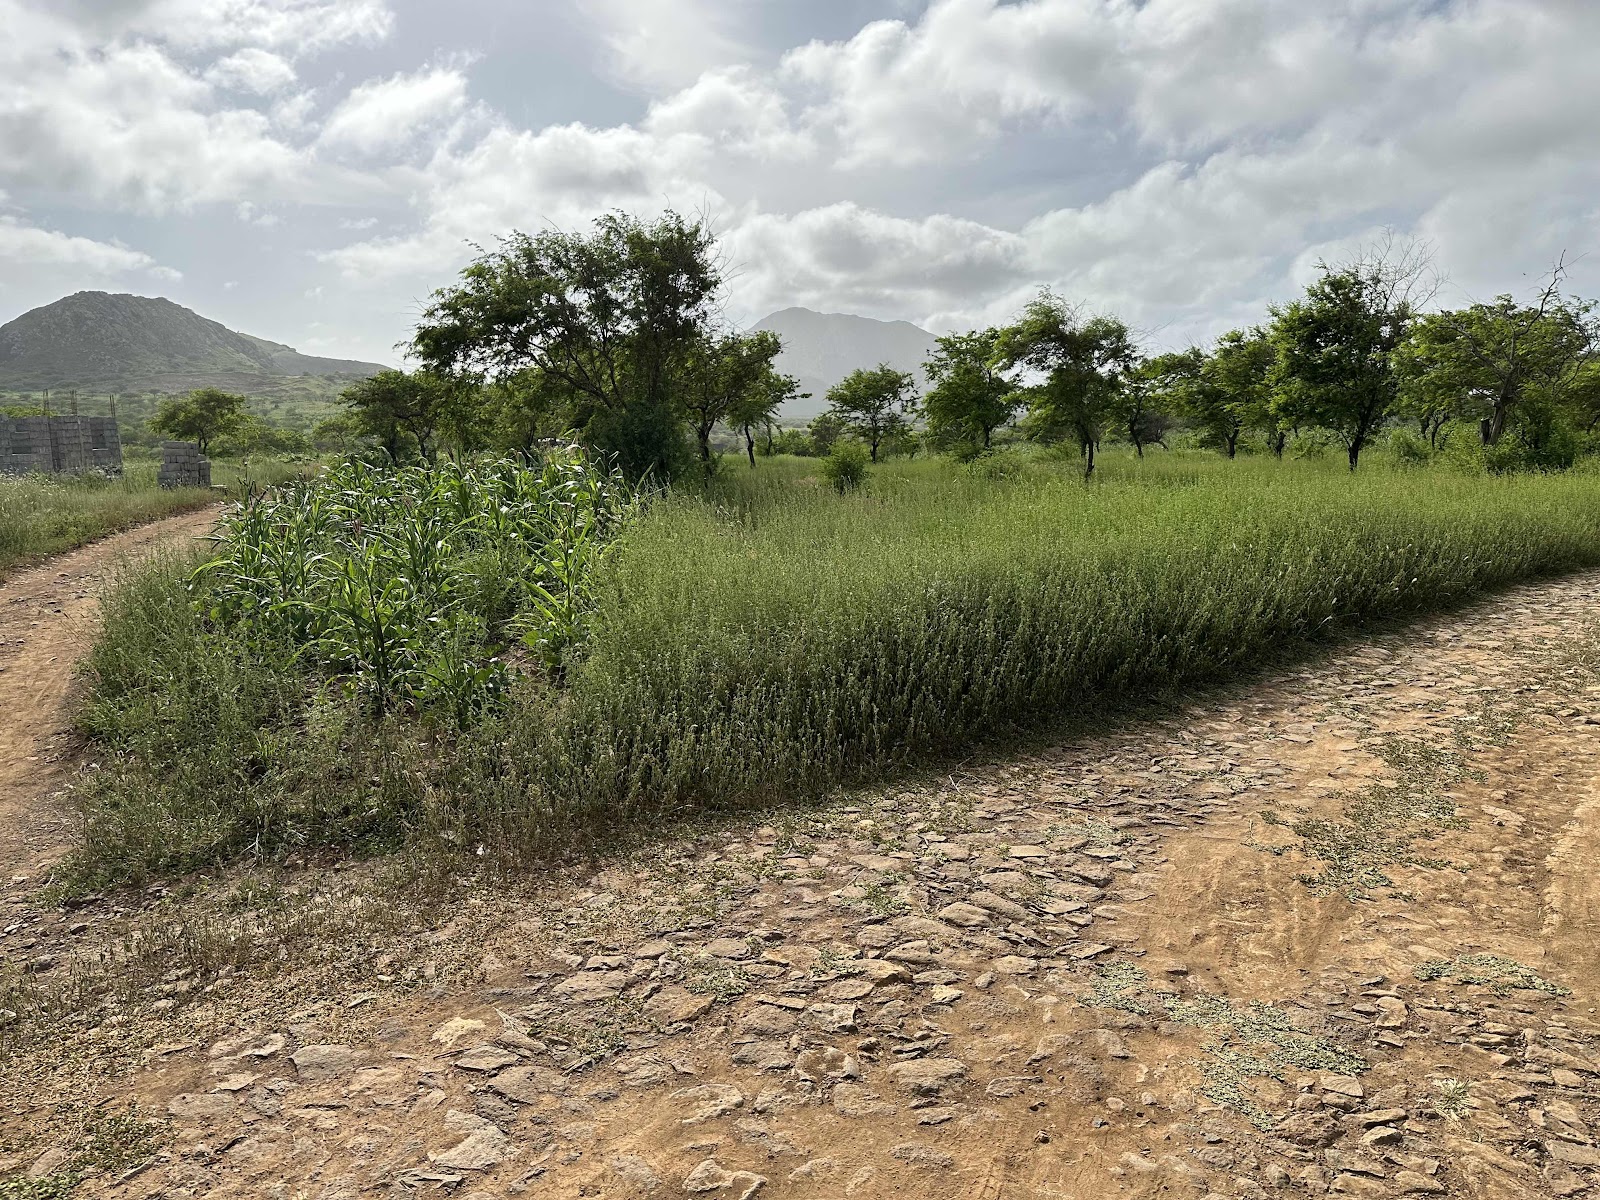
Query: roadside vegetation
{"type": "Point", "coordinates": [40, 515]}
{"type": "Point", "coordinates": [536, 605]}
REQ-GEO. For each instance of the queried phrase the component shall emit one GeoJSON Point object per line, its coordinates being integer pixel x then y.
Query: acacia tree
{"type": "Point", "coordinates": [969, 397]}
{"type": "Point", "coordinates": [1083, 361]}
{"type": "Point", "coordinates": [760, 405]}
{"type": "Point", "coordinates": [202, 416]}
{"type": "Point", "coordinates": [613, 317]}
{"type": "Point", "coordinates": [873, 404]}
{"type": "Point", "coordinates": [721, 373]}
{"type": "Point", "coordinates": [402, 409]}
{"type": "Point", "coordinates": [1337, 347]}
{"type": "Point", "coordinates": [1240, 370]}
{"type": "Point", "coordinates": [1501, 354]}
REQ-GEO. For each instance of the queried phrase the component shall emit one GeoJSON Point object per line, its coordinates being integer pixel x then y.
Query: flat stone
{"type": "Point", "coordinates": [1012, 964]}
{"type": "Point", "coordinates": [1416, 1183]}
{"type": "Point", "coordinates": [825, 1062]}
{"type": "Point", "coordinates": [592, 987]}
{"type": "Point", "coordinates": [1343, 1085]}
{"type": "Point", "coordinates": [711, 1100]}
{"type": "Point", "coordinates": [854, 1100]}
{"type": "Point", "coordinates": [194, 1107]}
{"type": "Point", "coordinates": [927, 1076]}
{"type": "Point", "coordinates": [968, 916]}
{"type": "Point", "coordinates": [1572, 1154]}
{"type": "Point", "coordinates": [945, 995]}
{"type": "Point", "coordinates": [324, 1062]}
{"type": "Point", "coordinates": [484, 1147]}
{"type": "Point", "coordinates": [1029, 852]}
{"type": "Point", "coordinates": [1087, 951]}
{"type": "Point", "coordinates": [673, 1005]}
{"type": "Point", "coordinates": [263, 1045]}
{"type": "Point", "coordinates": [529, 1084]}
{"type": "Point", "coordinates": [831, 1018]}
{"type": "Point", "coordinates": [926, 1157]}
{"type": "Point", "coordinates": [631, 1168]}
{"type": "Point", "coordinates": [730, 948]}
{"type": "Point", "coordinates": [711, 1176]}
{"type": "Point", "coordinates": [486, 1058]}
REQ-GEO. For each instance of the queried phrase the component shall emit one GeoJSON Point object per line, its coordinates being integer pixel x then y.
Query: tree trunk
{"type": "Point", "coordinates": [750, 446]}
{"type": "Point", "coordinates": [703, 436]}
{"type": "Point", "coordinates": [1355, 449]}
{"type": "Point", "coordinates": [1088, 469]}
{"type": "Point", "coordinates": [874, 448]}
{"type": "Point", "coordinates": [1495, 426]}
{"type": "Point", "coordinates": [1278, 440]}
{"type": "Point", "coordinates": [1231, 440]}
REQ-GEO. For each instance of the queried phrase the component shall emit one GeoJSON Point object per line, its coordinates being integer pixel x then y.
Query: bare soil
{"type": "Point", "coordinates": [1334, 932]}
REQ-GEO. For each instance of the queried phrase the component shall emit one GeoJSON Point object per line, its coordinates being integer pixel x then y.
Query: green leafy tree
{"type": "Point", "coordinates": [1238, 391]}
{"type": "Point", "coordinates": [403, 410]}
{"type": "Point", "coordinates": [1494, 358]}
{"type": "Point", "coordinates": [968, 396]}
{"type": "Point", "coordinates": [614, 316]}
{"type": "Point", "coordinates": [825, 429]}
{"type": "Point", "coordinates": [721, 374]}
{"type": "Point", "coordinates": [760, 406]}
{"type": "Point", "coordinates": [1337, 359]}
{"type": "Point", "coordinates": [1083, 362]}
{"type": "Point", "coordinates": [873, 404]}
{"type": "Point", "coordinates": [202, 416]}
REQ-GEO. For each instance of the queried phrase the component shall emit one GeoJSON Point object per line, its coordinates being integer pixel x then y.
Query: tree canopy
{"type": "Point", "coordinates": [202, 416]}
{"type": "Point", "coordinates": [873, 404]}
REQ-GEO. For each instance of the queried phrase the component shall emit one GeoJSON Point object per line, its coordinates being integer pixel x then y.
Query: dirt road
{"type": "Point", "coordinates": [1328, 933]}
{"type": "Point", "coordinates": [47, 616]}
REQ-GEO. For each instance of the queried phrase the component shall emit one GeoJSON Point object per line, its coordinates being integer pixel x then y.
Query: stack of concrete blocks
{"type": "Point", "coordinates": [182, 466]}
{"type": "Point", "coordinates": [59, 445]}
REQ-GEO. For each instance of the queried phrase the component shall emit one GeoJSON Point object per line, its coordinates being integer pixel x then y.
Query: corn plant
{"type": "Point", "coordinates": [372, 578]}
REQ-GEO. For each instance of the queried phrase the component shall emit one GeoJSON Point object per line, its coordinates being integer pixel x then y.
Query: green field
{"type": "Point", "coordinates": [767, 640]}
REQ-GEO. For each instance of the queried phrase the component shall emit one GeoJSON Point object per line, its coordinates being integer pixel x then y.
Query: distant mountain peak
{"type": "Point", "coordinates": [822, 348]}
{"type": "Point", "coordinates": [118, 342]}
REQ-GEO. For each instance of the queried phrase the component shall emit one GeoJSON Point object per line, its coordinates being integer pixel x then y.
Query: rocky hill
{"type": "Point", "coordinates": [820, 349]}
{"type": "Point", "coordinates": [99, 342]}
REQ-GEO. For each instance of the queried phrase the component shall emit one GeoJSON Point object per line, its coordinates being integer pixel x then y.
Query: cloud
{"type": "Point", "coordinates": [252, 70]}
{"type": "Point", "coordinates": [388, 113]}
{"type": "Point", "coordinates": [662, 45]}
{"type": "Point", "coordinates": [23, 245]}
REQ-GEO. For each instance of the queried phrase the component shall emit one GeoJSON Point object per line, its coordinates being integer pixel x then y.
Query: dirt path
{"type": "Point", "coordinates": [47, 616]}
{"type": "Point", "coordinates": [1334, 933]}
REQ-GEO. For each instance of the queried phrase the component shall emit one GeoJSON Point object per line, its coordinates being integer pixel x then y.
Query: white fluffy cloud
{"type": "Point", "coordinates": [1172, 160]}
{"type": "Point", "coordinates": [24, 245]}
{"type": "Point", "coordinates": [389, 113]}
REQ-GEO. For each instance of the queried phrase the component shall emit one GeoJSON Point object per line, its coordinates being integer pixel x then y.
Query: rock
{"type": "Point", "coordinates": [711, 1176]}
{"type": "Point", "coordinates": [730, 948]}
{"type": "Point", "coordinates": [1090, 872]}
{"type": "Point", "coordinates": [486, 1058]}
{"type": "Point", "coordinates": [831, 1018]}
{"type": "Point", "coordinates": [927, 1076]}
{"type": "Point", "coordinates": [1414, 1183]}
{"type": "Point", "coordinates": [925, 1157]}
{"type": "Point", "coordinates": [1392, 1013]}
{"type": "Point", "coordinates": [854, 1100]}
{"type": "Point", "coordinates": [1310, 1129]}
{"type": "Point", "coordinates": [46, 1164]}
{"type": "Point", "coordinates": [1012, 964]}
{"type": "Point", "coordinates": [712, 1100]}
{"type": "Point", "coordinates": [1571, 1154]}
{"type": "Point", "coordinates": [1108, 1042]}
{"type": "Point", "coordinates": [529, 1084]}
{"type": "Point", "coordinates": [768, 1019]}
{"type": "Point", "coordinates": [673, 1005]}
{"type": "Point", "coordinates": [945, 995]}
{"type": "Point", "coordinates": [630, 1168]}
{"type": "Point", "coordinates": [1355, 1164]}
{"type": "Point", "coordinates": [1383, 1116]}
{"type": "Point", "coordinates": [1382, 1135]}
{"type": "Point", "coordinates": [457, 1030]}
{"type": "Point", "coordinates": [1343, 1085]}
{"type": "Point", "coordinates": [262, 1045]}
{"type": "Point", "coordinates": [1000, 906]}
{"type": "Point", "coordinates": [324, 1062]}
{"type": "Point", "coordinates": [881, 973]}
{"type": "Point", "coordinates": [592, 987]}
{"type": "Point", "coordinates": [1029, 852]}
{"type": "Point", "coordinates": [968, 916]}
{"type": "Point", "coordinates": [825, 1062]}
{"type": "Point", "coordinates": [1087, 951]}
{"type": "Point", "coordinates": [485, 1145]}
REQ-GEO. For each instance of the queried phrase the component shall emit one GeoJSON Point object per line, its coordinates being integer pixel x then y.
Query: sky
{"type": "Point", "coordinates": [309, 171]}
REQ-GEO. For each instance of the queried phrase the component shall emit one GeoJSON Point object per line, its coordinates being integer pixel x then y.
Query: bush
{"type": "Point", "coordinates": [846, 466]}
{"type": "Point", "coordinates": [1409, 449]}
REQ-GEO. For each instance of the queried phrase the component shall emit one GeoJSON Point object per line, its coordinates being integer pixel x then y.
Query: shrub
{"type": "Point", "coordinates": [846, 466]}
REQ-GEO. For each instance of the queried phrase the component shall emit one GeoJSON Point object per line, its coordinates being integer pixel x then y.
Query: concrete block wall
{"type": "Point", "coordinates": [59, 445]}
{"type": "Point", "coordinates": [182, 466]}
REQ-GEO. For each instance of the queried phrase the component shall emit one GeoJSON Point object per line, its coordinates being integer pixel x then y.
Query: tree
{"type": "Point", "coordinates": [969, 397]}
{"type": "Point", "coordinates": [1140, 409]}
{"type": "Point", "coordinates": [872, 404]}
{"type": "Point", "coordinates": [759, 407]}
{"type": "Point", "coordinates": [1083, 361]}
{"type": "Point", "coordinates": [825, 429]}
{"type": "Point", "coordinates": [402, 410]}
{"type": "Point", "coordinates": [1237, 388]}
{"type": "Point", "coordinates": [721, 374]}
{"type": "Point", "coordinates": [1499, 355]}
{"type": "Point", "coordinates": [201, 416]}
{"type": "Point", "coordinates": [614, 316]}
{"type": "Point", "coordinates": [1337, 347]}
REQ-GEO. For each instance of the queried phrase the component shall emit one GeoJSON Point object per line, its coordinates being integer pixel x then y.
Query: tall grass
{"type": "Point", "coordinates": [41, 515]}
{"type": "Point", "coordinates": [773, 638]}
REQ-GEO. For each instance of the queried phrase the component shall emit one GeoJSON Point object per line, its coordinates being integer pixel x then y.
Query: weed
{"type": "Point", "coordinates": [1117, 985]}
{"type": "Point", "coordinates": [1452, 1098]}
{"type": "Point", "coordinates": [1501, 974]}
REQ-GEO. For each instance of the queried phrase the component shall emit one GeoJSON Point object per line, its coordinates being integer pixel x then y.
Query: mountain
{"type": "Point", "coordinates": [98, 342]}
{"type": "Point", "coordinates": [820, 349]}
